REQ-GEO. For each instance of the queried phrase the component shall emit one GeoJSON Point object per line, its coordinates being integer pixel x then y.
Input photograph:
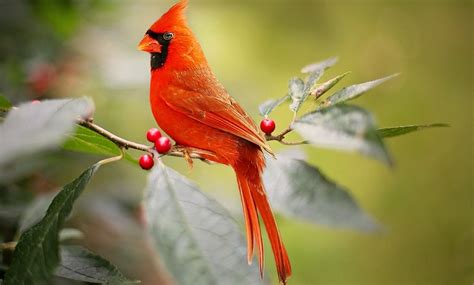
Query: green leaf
{"type": "Point", "coordinates": [78, 263]}
{"type": "Point", "coordinates": [268, 106]}
{"type": "Point", "coordinates": [296, 93]}
{"type": "Point", "coordinates": [316, 71]}
{"type": "Point", "coordinates": [298, 189]}
{"type": "Point", "coordinates": [37, 252]}
{"type": "Point", "coordinates": [319, 90]}
{"type": "Point", "coordinates": [343, 127]}
{"type": "Point", "coordinates": [300, 92]}
{"type": "Point", "coordinates": [199, 242]}
{"type": "Point", "coordinates": [4, 103]}
{"type": "Point", "coordinates": [322, 65]}
{"type": "Point", "coordinates": [354, 91]}
{"type": "Point", "coordinates": [401, 130]}
{"type": "Point", "coordinates": [33, 128]}
{"type": "Point", "coordinates": [88, 141]}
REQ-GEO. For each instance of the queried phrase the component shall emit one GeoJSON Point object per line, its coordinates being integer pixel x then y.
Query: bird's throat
{"type": "Point", "coordinates": [158, 59]}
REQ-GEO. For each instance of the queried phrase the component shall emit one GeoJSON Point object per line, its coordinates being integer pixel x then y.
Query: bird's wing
{"type": "Point", "coordinates": [200, 96]}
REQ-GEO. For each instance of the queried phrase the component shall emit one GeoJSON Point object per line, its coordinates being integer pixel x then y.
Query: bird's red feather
{"type": "Point", "coordinates": [193, 108]}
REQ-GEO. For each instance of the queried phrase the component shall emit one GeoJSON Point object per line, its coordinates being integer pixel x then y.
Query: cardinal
{"type": "Point", "coordinates": [195, 110]}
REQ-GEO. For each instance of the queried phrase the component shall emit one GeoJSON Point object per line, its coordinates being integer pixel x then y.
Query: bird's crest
{"type": "Point", "coordinates": [172, 19]}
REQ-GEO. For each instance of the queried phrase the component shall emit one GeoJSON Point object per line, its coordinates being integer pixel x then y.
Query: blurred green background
{"type": "Point", "coordinates": [254, 47]}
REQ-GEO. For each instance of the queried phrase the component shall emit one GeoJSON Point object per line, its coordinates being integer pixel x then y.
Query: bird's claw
{"type": "Point", "coordinates": [188, 158]}
{"type": "Point", "coordinates": [186, 155]}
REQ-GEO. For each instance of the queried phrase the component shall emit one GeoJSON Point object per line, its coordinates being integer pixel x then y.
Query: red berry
{"type": "Point", "coordinates": [153, 134]}
{"type": "Point", "coordinates": [267, 126]}
{"type": "Point", "coordinates": [146, 161]}
{"type": "Point", "coordinates": [42, 78]}
{"type": "Point", "coordinates": [35, 102]}
{"type": "Point", "coordinates": [163, 145]}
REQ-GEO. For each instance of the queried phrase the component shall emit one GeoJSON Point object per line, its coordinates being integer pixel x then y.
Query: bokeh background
{"type": "Point", "coordinates": [74, 48]}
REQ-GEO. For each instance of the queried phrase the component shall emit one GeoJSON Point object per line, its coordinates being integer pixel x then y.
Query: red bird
{"type": "Point", "coordinates": [194, 109]}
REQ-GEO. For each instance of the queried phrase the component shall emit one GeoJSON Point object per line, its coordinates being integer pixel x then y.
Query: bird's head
{"type": "Point", "coordinates": [171, 42]}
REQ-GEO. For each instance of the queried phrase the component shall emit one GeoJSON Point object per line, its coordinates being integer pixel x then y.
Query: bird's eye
{"type": "Point", "coordinates": [168, 36]}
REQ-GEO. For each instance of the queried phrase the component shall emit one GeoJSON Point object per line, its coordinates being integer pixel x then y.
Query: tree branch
{"type": "Point", "coordinates": [177, 150]}
{"type": "Point", "coordinates": [281, 138]}
{"type": "Point", "coordinates": [120, 142]}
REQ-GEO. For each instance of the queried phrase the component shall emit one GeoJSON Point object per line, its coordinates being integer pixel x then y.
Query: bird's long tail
{"type": "Point", "coordinates": [255, 204]}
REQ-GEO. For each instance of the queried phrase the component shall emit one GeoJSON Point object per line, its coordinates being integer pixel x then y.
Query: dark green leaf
{"type": "Point", "coordinates": [343, 127]}
{"type": "Point", "coordinates": [319, 90]}
{"type": "Point", "coordinates": [354, 91]}
{"type": "Point", "coordinates": [80, 264]}
{"type": "Point", "coordinates": [268, 106]}
{"type": "Point", "coordinates": [197, 239]}
{"type": "Point", "coordinates": [4, 103]}
{"type": "Point", "coordinates": [33, 128]}
{"type": "Point", "coordinates": [37, 254]}
{"type": "Point", "coordinates": [398, 131]}
{"type": "Point", "coordinates": [300, 190]}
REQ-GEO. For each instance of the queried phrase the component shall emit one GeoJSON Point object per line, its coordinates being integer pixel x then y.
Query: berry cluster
{"type": "Point", "coordinates": [162, 145]}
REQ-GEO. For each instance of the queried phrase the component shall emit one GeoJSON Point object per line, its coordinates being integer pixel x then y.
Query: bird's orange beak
{"type": "Point", "coordinates": [149, 44]}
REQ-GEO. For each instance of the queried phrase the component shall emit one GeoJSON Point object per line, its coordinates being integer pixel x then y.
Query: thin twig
{"type": "Point", "coordinates": [278, 137]}
{"type": "Point", "coordinates": [293, 143]}
{"type": "Point", "coordinates": [281, 138]}
{"type": "Point", "coordinates": [8, 245]}
{"type": "Point", "coordinates": [120, 142]}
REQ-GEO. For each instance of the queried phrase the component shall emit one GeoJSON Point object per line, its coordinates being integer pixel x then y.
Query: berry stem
{"type": "Point", "coordinates": [281, 138]}
{"type": "Point", "coordinates": [111, 159]}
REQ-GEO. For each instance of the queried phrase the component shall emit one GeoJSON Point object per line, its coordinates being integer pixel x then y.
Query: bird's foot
{"type": "Point", "coordinates": [189, 153]}
{"type": "Point", "coordinates": [187, 157]}
{"type": "Point", "coordinates": [186, 151]}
